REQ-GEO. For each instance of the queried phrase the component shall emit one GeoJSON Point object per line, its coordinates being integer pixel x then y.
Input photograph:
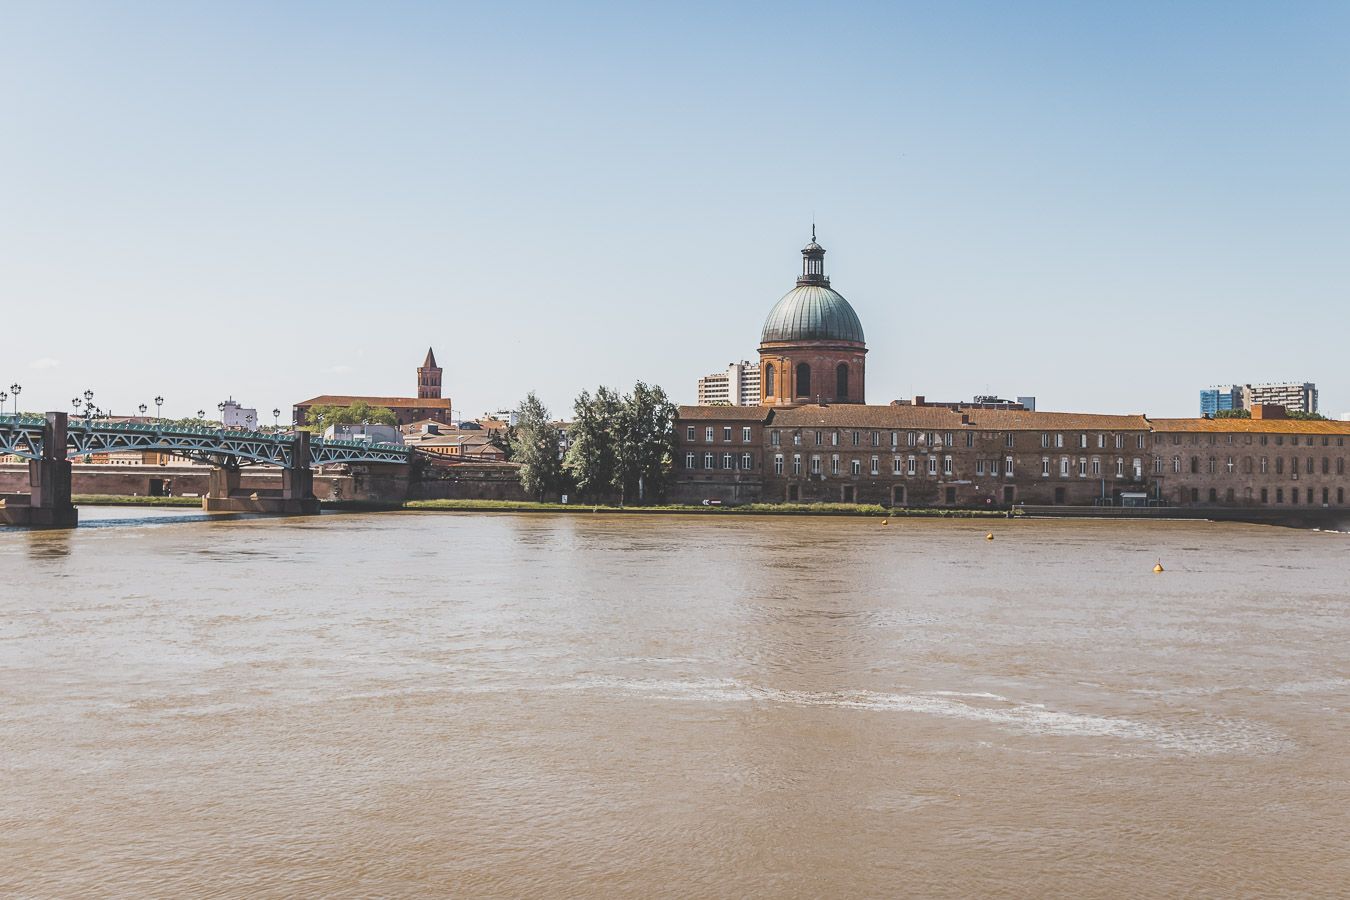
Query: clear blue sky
{"type": "Point", "coordinates": [1107, 205]}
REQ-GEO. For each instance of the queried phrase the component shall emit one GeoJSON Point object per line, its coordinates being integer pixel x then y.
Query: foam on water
{"type": "Point", "coordinates": [1213, 736]}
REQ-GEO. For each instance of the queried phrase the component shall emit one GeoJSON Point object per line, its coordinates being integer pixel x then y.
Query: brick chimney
{"type": "Point", "coordinates": [1269, 411]}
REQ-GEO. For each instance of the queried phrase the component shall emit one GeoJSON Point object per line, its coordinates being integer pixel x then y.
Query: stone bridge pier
{"type": "Point", "coordinates": [295, 498]}
{"type": "Point", "coordinates": [48, 503]}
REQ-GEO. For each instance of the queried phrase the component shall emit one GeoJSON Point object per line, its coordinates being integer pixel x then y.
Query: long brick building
{"type": "Point", "coordinates": [813, 439]}
{"type": "Point", "coordinates": [428, 405]}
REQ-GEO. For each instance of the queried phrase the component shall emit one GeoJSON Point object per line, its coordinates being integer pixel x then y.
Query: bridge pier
{"type": "Point", "coordinates": [48, 503]}
{"type": "Point", "coordinates": [296, 497]}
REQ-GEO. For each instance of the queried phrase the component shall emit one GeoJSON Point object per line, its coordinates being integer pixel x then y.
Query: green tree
{"type": "Point", "coordinates": [535, 447]}
{"type": "Point", "coordinates": [358, 412]}
{"type": "Point", "coordinates": [1306, 416]}
{"type": "Point", "coordinates": [1233, 414]}
{"type": "Point", "coordinates": [592, 458]}
{"type": "Point", "coordinates": [645, 443]}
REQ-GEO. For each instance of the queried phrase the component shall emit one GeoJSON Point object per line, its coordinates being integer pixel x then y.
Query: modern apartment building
{"type": "Point", "coordinates": [738, 385]}
{"type": "Point", "coordinates": [1295, 397]}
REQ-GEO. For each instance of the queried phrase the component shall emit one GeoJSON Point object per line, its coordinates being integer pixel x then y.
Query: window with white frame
{"type": "Point", "coordinates": [876, 466]}
{"type": "Point", "coordinates": [745, 434]}
{"type": "Point", "coordinates": [707, 460]}
{"type": "Point", "coordinates": [1063, 467]}
{"type": "Point", "coordinates": [1082, 467]}
{"type": "Point", "coordinates": [911, 466]}
{"type": "Point", "coordinates": [778, 464]}
{"type": "Point", "coordinates": [747, 461]}
{"type": "Point", "coordinates": [1120, 468]}
{"type": "Point", "coordinates": [855, 466]}
{"type": "Point", "coordinates": [896, 467]}
{"type": "Point", "coordinates": [726, 460]}
{"type": "Point", "coordinates": [796, 464]}
{"type": "Point", "coordinates": [1008, 466]}
{"type": "Point", "coordinates": [726, 432]}
{"type": "Point", "coordinates": [1045, 440]}
{"type": "Point", "coordinates": [689, 461]}
{"type": "Point", "coordinates": [979, 467]}
{"type": "Point", "coordinates": [708, 434]}
{"type": "Point", "coordinates": [1045, 467]}
{"type": "Point", "coordinates": [815, 465]}
{"type": "Point", "coordinates": [1096, 466]}
{"type": "Point", "coordinates": [834, 464]}
{"type": "Point", "coordinates": [689, 432]}
{"type": "Point", "coordinates": [1059, 440]}
{"type": "Point", "coordinates": [946, 465]}
{"type": "Point", "coordinates": [775, 438]}
{"type": "Point", "coordinates": [932, 465]}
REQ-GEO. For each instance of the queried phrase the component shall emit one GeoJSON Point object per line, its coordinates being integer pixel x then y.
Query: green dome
{"type": "Point", "coordinates": [812, 312]}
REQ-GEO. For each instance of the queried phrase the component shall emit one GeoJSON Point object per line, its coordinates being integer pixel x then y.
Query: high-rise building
{"type": "Point", "coordinates": [1295, 397]}
{"type": "Point", "coordinates": [1221, 397]}
{"type": "Point", "coordinates": [1299, 397]}
{"type": "Point", "coordinates": [737, 386]}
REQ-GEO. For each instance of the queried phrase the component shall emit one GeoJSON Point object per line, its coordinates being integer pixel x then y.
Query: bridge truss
{"type": "Point", "coordinates": [22, 436]}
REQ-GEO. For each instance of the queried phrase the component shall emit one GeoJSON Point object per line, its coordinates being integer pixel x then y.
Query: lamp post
{"type": "Point", "coordinates": [142, 408]}
{"type": "Point", "coordinates": [201, 414]}
{"type": "Point", "coordinates": [276, 419]}
{"type": "Point", "coordinates": [159, 401]}
{"type": "Point", "coordinates": [3, 398]}
{"type": "Point", "coordinates": [15, 389]}
{"type": "Point", "coordinates": [88, 405]}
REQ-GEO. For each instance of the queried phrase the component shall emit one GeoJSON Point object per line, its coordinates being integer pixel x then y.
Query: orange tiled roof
{"type": "Point", "coordinates": [1026, 420]}
{"type": "Point", "coordinates": [1254, 426]}
{"type": "Point", "coordinates": [723, 413]}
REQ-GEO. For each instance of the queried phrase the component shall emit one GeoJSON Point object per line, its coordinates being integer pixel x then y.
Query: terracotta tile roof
{"type": "Point", "coordinates": [1253, 426]}
{"type": "Point", "coordinates": [852, 415]}
{"type": "Point", "coordinates": [1026, 420]}
{"type": "Point", "coordinates": [388, 402]}
{"type": "Point", "coordinates": [723, 413]}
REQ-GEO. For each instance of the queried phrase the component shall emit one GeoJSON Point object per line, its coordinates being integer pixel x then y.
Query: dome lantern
{"type": "Point", "coordinates": [813, 262]}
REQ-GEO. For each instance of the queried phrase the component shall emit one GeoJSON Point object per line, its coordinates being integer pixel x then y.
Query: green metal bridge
{"type": "Point", "coordinates": [23, 437]}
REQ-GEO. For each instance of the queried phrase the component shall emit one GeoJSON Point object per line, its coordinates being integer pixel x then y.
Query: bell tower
{"type": "Point", "coordinates": [429, 378]}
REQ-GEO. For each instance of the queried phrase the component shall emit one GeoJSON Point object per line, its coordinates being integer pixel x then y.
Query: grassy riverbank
{"type": "Point", "coordinates": [123, 500]}
{"type": "Point", "coordinates": [763, 509]}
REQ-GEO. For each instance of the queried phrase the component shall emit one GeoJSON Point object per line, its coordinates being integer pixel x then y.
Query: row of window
{"type": "Point", "coordinates": [1086, 467]}
{"type": "Point", "coordinates": [710, 431]}
{"type": "Point", "coordinates": [746, 461]}
{"type": "Point", "coordinates": [1103, 440]}
{"type": "Point", "coordinates": [804, 381]}
{"type": "Point", "coordinates": [1308, 439]}
{"type": "Point", "coordinates": [1247, 465]}
{"type": "Point", "coordinates": [1310, 497]}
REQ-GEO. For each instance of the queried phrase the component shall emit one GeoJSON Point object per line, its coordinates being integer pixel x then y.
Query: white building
{"type": "Point", "coordinates": [235, 416]}
{"type": "Point", "coordinates": [1293, 396]}
{"type": "Point", "coordinates": [371, 434]}
{"type": "Point", "coordinates": [737, 386]}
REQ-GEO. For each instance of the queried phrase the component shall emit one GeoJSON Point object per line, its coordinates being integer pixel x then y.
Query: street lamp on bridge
{"type": "Point", "coordinates": [276, 419]}
{"type": "Point", "coordinates": [15, 389]}
{"type": "Point", "coordinates": [159, 401]}
{"type": "Point", "coordinates": [142, 408]}
{"type": "Point", "coordinates": [3, 398]}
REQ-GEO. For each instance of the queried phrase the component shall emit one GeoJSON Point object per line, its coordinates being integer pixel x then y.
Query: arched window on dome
{"type": "Point", "coordinates": [803, 380]}
{"type": "Point", "coordinates": [841, 382]}
{"type": "Point", "coordinates": [769, 380]}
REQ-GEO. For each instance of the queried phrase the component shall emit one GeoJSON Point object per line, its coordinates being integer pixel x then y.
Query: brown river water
{"type": "Point", "coordinates": [432, 704]}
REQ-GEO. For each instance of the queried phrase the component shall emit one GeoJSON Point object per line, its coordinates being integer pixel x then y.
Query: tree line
{"type": "Point", "coordinates": [619, 447]}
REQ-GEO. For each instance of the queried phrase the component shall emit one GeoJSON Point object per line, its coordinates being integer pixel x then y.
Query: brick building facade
{"type": "Point", "coordinates": [911, 455]}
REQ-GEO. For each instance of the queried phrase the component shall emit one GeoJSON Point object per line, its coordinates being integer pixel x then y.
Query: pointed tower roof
{"type": "Point", "coordinates": [430, 362]}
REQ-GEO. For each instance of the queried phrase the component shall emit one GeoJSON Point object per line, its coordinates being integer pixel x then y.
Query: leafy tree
{"type": "Point", "coordinates": [592, 459]}
{"type": "Point", "coordinates": [535, 447]}
{"type": "Point", "coordinates": [645, 443]}
{"type": "Point", "coordinates": [1306, 416]}
{"type": "Point", "coordinates": [358, 412]}
{"type": "Point", "coordinates": [1233, 414]}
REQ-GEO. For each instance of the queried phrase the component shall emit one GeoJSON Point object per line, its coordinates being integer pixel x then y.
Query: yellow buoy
{"type": "Point", "coordinates": [1158, 567]}
{"type": "Point", "coordinates": [989, 536]}
{"type": "Point", "coordinates": [885, 522]}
